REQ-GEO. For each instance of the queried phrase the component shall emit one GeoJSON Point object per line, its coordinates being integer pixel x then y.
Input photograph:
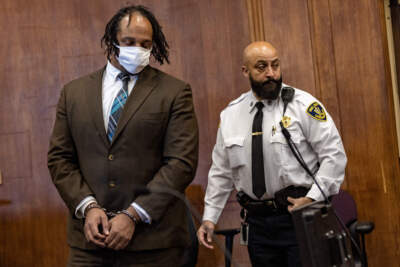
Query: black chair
{"type": "Point", "coordinates": [346, 208]}
{"type": "Point", "coordinates": [191, 253]}
{"type": "Point", "coordinates": [229, 234]}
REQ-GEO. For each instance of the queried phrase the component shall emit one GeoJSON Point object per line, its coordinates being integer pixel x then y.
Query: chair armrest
{"type": "Point", "coordinates": [364, 227]}
{"type": "Point", "coordinates": [227, 232]}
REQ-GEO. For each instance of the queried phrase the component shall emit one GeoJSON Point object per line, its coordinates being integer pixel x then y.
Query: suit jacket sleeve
{"type": "Point", "coordinates": [180, 154]}
{"type": "Point", "coordinates": [63, 161]}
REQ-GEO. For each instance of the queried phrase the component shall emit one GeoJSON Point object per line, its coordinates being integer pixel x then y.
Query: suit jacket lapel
{"type": "Point", "coordinates": [95, 103]}
{"type": "Point", "coordinates": [143, 87]}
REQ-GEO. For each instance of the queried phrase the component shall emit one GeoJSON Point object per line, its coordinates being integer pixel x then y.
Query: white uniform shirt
{"type": "Point", "coordinates": [318, 142]}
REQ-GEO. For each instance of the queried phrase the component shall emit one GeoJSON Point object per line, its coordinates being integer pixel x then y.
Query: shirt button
{"type": "Point", "coordinates": [111, 157]}
{"type": "Point", "coordinates": [111, 184]}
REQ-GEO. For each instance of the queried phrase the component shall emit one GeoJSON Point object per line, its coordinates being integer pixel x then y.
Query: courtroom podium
{"type": "Point", "coordinates": [322, 241]}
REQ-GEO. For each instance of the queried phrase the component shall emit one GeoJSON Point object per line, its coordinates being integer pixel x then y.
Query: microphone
{"type": "Point", "coordinates": [287, 96]}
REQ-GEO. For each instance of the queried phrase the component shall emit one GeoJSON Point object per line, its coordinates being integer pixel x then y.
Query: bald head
{"type": "Point", "coordinates": [257, 50]}
{"type": "Point", "coordinates": [262, 66]}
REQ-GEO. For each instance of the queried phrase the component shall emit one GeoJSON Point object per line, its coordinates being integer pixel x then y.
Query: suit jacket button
{"type": "Point", "coordinates": [111, 157]}
{"type": "Point", "coordinates": [111, 184]}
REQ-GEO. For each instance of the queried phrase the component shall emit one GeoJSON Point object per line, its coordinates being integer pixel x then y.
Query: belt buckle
{"type": "Point", "coordinates": [275, 206]}
{"type": "Point", "coordinates": [271, 202]}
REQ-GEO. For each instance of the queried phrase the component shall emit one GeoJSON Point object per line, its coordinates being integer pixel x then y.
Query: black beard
{"type": "Point", "coordinates": [266, 90]}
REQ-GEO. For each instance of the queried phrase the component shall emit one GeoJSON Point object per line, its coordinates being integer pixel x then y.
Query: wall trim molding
{"type": "Point", "coordinates": [256, 20]}
{"type": "Point", "coordinates": [392, 63]}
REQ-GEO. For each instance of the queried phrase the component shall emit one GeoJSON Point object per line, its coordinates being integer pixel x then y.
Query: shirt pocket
{"type": "Point", "coordinates": [235, 150]}
{"type": "Point", "coordinates": [281, 148]}
{"type": "Point", "coordinates": [289, 167]}
{"type": "Point", "coordinates": [279, 138]}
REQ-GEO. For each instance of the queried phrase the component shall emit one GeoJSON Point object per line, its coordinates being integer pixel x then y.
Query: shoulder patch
{"type": "Point", "coordinates": [316, 111]}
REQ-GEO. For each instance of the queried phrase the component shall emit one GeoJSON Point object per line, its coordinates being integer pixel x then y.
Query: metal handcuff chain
{"type": "Point", "coordinates": [287, 96]}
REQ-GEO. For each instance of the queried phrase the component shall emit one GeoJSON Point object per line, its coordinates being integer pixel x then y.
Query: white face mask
{"type": "Point", "coordinates": [134, 59]}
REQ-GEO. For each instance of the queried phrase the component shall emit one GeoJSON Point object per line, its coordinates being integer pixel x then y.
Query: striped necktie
{"type": "Point", "coordinates": [118, 105]}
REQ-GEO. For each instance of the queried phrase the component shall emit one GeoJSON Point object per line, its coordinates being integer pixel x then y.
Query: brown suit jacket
{"type": "Point", "coordinates": [155, 145]}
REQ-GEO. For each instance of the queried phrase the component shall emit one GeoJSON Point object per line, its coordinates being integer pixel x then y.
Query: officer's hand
{"type": "Point", "coordinates": [298, 202]}
{"type": "Point", "coordinates": [121, 231]}
{"type": "Point", "coordinates": [94, 219]}
{"type": "Point", "coordinates": [205, 233]}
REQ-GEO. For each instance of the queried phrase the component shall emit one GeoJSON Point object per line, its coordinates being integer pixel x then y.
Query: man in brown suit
{"type": "Point", "coordinates": [118, 130]}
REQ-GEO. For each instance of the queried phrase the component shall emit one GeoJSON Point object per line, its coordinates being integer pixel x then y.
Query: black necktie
{"type": "Point", "coordinates": [257, 159]}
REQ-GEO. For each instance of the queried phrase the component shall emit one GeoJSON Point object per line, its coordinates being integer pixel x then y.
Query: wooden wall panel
{"type": "Point", "coordinates": [256, 20]}
{"type": "Point", "coordinates": [287, 27]}
{"type": "Point", "coordinates": [33, 220]}
{"type": "Point", "coordinates": [368, 127]}
{"type": "Point", "coordinates": [324, 57]}
{"type": "Point", "coordinates": [48, 43]}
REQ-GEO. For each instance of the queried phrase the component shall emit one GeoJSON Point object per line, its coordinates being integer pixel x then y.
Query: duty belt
{"type": "Point", "coordinates": [276, 205]}
{"type": "Point", "coordinates": [262, 207]}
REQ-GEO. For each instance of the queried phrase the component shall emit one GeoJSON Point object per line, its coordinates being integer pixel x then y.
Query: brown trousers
{"type": "Point", "coordinates": [112, 258]}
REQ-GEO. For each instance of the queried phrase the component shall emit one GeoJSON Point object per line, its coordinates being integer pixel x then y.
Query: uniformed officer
{"type": "Point", "coordinates": [252, 155]}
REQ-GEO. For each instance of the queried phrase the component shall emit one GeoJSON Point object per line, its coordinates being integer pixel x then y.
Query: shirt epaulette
{"type": "Point", "coordinates": [238, 100]}
{"type": "Point", "coordinates": [304, 98]}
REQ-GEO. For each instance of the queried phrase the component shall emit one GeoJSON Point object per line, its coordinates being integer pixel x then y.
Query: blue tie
{"type": "Point", "coordinates": [118, 105]}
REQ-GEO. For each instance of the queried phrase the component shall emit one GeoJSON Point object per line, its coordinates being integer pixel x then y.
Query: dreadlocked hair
{"type": "Point", "coordinates": [109, 39]}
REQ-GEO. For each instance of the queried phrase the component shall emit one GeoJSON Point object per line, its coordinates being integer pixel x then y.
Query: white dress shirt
{"type": "Point", "coordinates": [318, 141]}
{"type": "Point", "coordinates": [111, 86]}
